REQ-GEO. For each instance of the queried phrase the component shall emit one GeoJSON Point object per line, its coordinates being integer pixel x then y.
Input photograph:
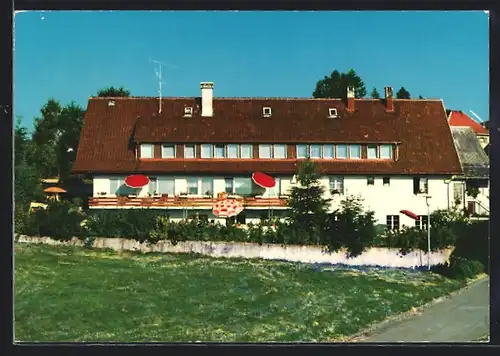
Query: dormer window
{"type": "Point", "coordinates": [266, 111]}
{"type": "Point", "coordinates": [188, 111]}
{"type": "Point", "coordinates": [332, 112]}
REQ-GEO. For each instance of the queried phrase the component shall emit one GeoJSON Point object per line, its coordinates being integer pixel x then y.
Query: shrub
{"type": "Point", "coordinates": [60, 221]}
{"type": "Point", "coordinates": [473, 244]}
{"type": "Point", "coordinates": [460, 268]}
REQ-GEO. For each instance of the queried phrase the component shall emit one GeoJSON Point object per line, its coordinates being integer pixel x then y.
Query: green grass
{"type": "Point", "coordinates": [77, 294]}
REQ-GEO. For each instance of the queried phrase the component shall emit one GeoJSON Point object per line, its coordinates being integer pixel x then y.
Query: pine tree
{"type": "Point", "coordinates": [375, 94]}
{"type": "Point", "coordinates": [335, 86]}
{"type": "Point", "coordinates": [403, 94]}
{"type": "Point", "coordinates": [308, 207]}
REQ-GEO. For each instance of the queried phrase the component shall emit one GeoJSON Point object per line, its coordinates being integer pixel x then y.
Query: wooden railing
{"type": "Point", "coordinates": [181, 202]}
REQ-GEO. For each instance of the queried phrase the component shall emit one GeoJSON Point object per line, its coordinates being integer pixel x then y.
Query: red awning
{"type": "Point", "coordinates": [409, 214]}
{"type": "Point", "coordinates": [136, 181]}
{"type": "Point", "coordinates": [263, 180]}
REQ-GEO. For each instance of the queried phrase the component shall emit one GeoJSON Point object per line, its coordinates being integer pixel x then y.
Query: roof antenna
{"type": "Point", "coordinates": [158, 72]}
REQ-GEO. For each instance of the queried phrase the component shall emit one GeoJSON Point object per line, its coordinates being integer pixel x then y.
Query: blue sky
{"type": "Point", "coordinates": [70, 55]}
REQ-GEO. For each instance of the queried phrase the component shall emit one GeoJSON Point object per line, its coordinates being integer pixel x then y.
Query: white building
{"type": "Point", "coordinates": [391, 152]}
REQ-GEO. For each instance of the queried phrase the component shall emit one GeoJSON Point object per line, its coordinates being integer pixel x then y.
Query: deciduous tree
{"type": "Point", "coordinates": [335, 86]}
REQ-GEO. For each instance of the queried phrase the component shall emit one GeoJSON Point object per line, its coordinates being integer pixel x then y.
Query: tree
{"type": "Point", "coordinates": [375, 94]}
{"type": "Point", "coordinates": [420, 97]}
{"type": "Point", "coordinates": [308, 208]}
{"type": "Point", "coordinates": [403, 94]}
{"type": "Point", "coordinates": [113, 92]}
{"type": "Point", "coordinates": [335, 86]}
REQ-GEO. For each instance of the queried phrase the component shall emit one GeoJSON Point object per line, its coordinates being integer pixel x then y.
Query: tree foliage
{"type": "Point", "coordinates": [113, 92]}
{"type": "Point", "coordinates": [403, 93]}
{"type": "Point", "coordinates": [307, 205]}
{"type": "Point", "coordinates": [375, 94]}
{"type": "Point", "coordinates": [335, 86]}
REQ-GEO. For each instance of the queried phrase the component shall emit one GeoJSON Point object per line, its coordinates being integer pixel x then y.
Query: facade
{"type": "Point", "coordinates": [391, 152]}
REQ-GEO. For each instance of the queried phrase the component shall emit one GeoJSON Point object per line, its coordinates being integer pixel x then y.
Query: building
{"type": "Point", "coordinates": [391, 152]}
{"type": "Point", "coordinates": [476, 170]}
{"type": "Point", "coordinates": [457, 118]}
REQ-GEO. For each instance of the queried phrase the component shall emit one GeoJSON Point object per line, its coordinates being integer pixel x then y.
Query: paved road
{"type": "Point", "coordinates": [461, 318]}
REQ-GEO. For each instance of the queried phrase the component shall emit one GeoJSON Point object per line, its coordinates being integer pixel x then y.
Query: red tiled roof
{"type": "Point", "coordinates": [109, 132]}
{"type": "Point", "coordinates": [458, 118]}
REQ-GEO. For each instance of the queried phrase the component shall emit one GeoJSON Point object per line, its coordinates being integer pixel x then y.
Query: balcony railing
{"type": "Point", "coordinates": [182, 202]}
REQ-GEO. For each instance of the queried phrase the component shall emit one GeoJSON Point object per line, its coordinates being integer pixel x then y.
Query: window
{"type": "Point", "coordinates": [207, 151]}
{"type": "Point", "coordinates": [458, 192]}
{"type": "Point", "coordinates": [372, 152]}
{"type": "Point", "coordinates": [189, 151]}
{"type": "Point", "coordinates": [355, 151]}
{"type": "Point", "coordinates": [328, 151]}
{"type": "Point", "coordinates": [422, 222]}
{"type": "Point", "coordinates": [188, 111]}
{"type": "Point", "coordinates": [246, 151]}
{"type": "Point", "coordinates": [114, 185]}
{"type": "Point", "coordinates": [341, 151]}
{"type": "Point", "coordinates": [192, 184]}
{"type": "Point", "coordinates": [207, 184]}
{"type": "Point", "coordinates": [386, 151]}
{"type": "Point", "coordinates": [279, 151]}
{"type": "Point", "coordinates": [315, 151]}
{"type": "Point", "coordinates": [243, 186]}
{"type": "Point", "coordinates": [264, 151]}
{"type": "Point", "coordinates": [274, 191]}
{"type": "Point", "coordinates": [166, 186]}
{"type": "Point", "coordinates": [229, 185]}
{"type": "Point", "coordinates": [147, 150]}
{"type": "Point", "coordinates": [420, 186]}
{"type": "Point", "coordinates": [266, 111]}
{"type": "Point", "coordinates": [386, 181]}
{"type": "Point", "coordinates": [392, 222]}
{"type": "Point", "coordinates": [336, 185]}
{"type": "Point", "coordinates": [232, 151]}
{"type": "Point", "coordinates": [332, 112]}
{"type": "Point", "coordinates": [168, 151]}
{"type": "Point", "coordinates": [152, 186]}
{"type": "Point", "coordinates": [220, 151]}
{"type": "Point", "coordinates": [302, 151]}
{"type": "Point", "coordinates": [370, 180]}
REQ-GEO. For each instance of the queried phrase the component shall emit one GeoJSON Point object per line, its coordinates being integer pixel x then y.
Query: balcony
{"type": "Point", "coordinates": [183, 202]}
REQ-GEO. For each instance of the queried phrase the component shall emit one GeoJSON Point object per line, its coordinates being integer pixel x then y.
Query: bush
{"type": "Point", "coordinates": [459, 268]}
{"type": "Point", "coordinates": [473, 244]}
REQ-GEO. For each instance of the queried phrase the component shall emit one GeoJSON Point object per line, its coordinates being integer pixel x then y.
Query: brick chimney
{"type": "Point", "coordinates": [350, 99]}
{"type": "Point", "coordinates": [389, 100]}
{"type": "Point", "coordinates": [207, 95]}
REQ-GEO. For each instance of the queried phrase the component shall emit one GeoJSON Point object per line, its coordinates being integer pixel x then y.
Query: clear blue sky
{"type": "Point", "coordinates": [71, 55]}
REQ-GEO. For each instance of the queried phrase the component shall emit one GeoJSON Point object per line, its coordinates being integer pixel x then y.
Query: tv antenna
{"type": "Point", "coordinates": [159, 75]}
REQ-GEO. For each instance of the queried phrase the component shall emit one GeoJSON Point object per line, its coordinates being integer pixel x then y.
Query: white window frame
{"type": "Point", "coordinates": [229, 179]}
{"type": "Point", "coordinates": [233, 145]}
{"type": "Point", "coordinates": [250, 151]}
{"type": "Point", "coordinates": [332, 113]}
{"type": "Point", "coordinates": [368, 181]}
{"type": "Point", "coordinates": [388, 181]}
{"type": "Point", "coordinates": [320, 155]}
{"type": "Point", "coordinates": [211, 150]}
{"type": "Point", "coordinates": [197, 185]}
{"type": "Point", "coordinates": [368, 147]}
{"type": "Point", "coordinates": [350, 151]}
{"type": "Point", "coordinates": [163, 150]}
{"type": "Point", "coordinates": [420, 222]}
{"type": "Point", "coordinates": [267, 111]}
{"type": "Point", "coordinates": [284, 150]}
{"type": "Point", "coordinates": [390, 151]}
{"type": "Point", "coordinates": [158, 179]}
{"type": "Point", "coordinates": [307, 150]}
{"type": "Point", "coordinates": [188, 111]}
{"type": "Point", "coordinates": [423, 185]}
{"type": "Point", "coordinates": [337, 151]}
{"type": "Point", "coordinates": [211, 190]}
{"type": "Point", "coordinates": [224, 153]}
{"type": "Point", "coordinates": [263, 146]}
{"type": "Point", "coordinates": [194, 151]}
{"type": "Point", "coordinates": [336, 183]}
{"type": "Point", "coordinates": [391, 219]}
{"type": "Point", "coordinates": [332, 146]}
{"type": "Point", "coordinates": [147, 147]}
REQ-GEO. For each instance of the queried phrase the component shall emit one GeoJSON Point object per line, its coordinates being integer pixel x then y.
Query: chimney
{"type": "Point", "coordinates": [207, 95]}
{"type": "Point", "coordinates": [389, 101]}
{"type": "Point", "coordinates": [350, 99]}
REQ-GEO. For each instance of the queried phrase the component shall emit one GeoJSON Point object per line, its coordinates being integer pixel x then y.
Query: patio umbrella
{"type": "Point", "coordinates": [265, 181]}
{"type": "Point", "coordinates": [409, 214]}
{"type": "Point", "coordinates": [136, 181]}
{"type": "Point", "coordinates": [55, 191]}
{"type": "Point", "coordinates": [227, 208]}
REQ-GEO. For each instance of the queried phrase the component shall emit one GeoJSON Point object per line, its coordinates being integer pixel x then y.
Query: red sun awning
{"type": "Point", "coordinates": [136, 181]}
{"type": "Point", "coordinates": [263, 180]}
{"type": "Point", "coordinates": [409, 214]}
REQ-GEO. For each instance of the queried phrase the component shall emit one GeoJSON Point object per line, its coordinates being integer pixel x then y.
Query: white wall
{"type": "Point", "coordinates": [384, 200]}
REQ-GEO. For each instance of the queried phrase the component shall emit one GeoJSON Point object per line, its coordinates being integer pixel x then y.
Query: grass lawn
{"type": "Point", "coordinates": [77, 294]}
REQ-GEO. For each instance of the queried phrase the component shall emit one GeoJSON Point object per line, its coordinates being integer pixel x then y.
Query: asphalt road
{"type": "Point", "coordinates": [461, 318]}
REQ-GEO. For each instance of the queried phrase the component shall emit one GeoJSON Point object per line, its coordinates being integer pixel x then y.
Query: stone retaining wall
{"type": "Point", "coordinates": [385, 257]}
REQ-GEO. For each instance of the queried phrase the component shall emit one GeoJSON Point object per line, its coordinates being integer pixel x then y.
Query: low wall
{"type": "Point", "coordinates": [386, 257]}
